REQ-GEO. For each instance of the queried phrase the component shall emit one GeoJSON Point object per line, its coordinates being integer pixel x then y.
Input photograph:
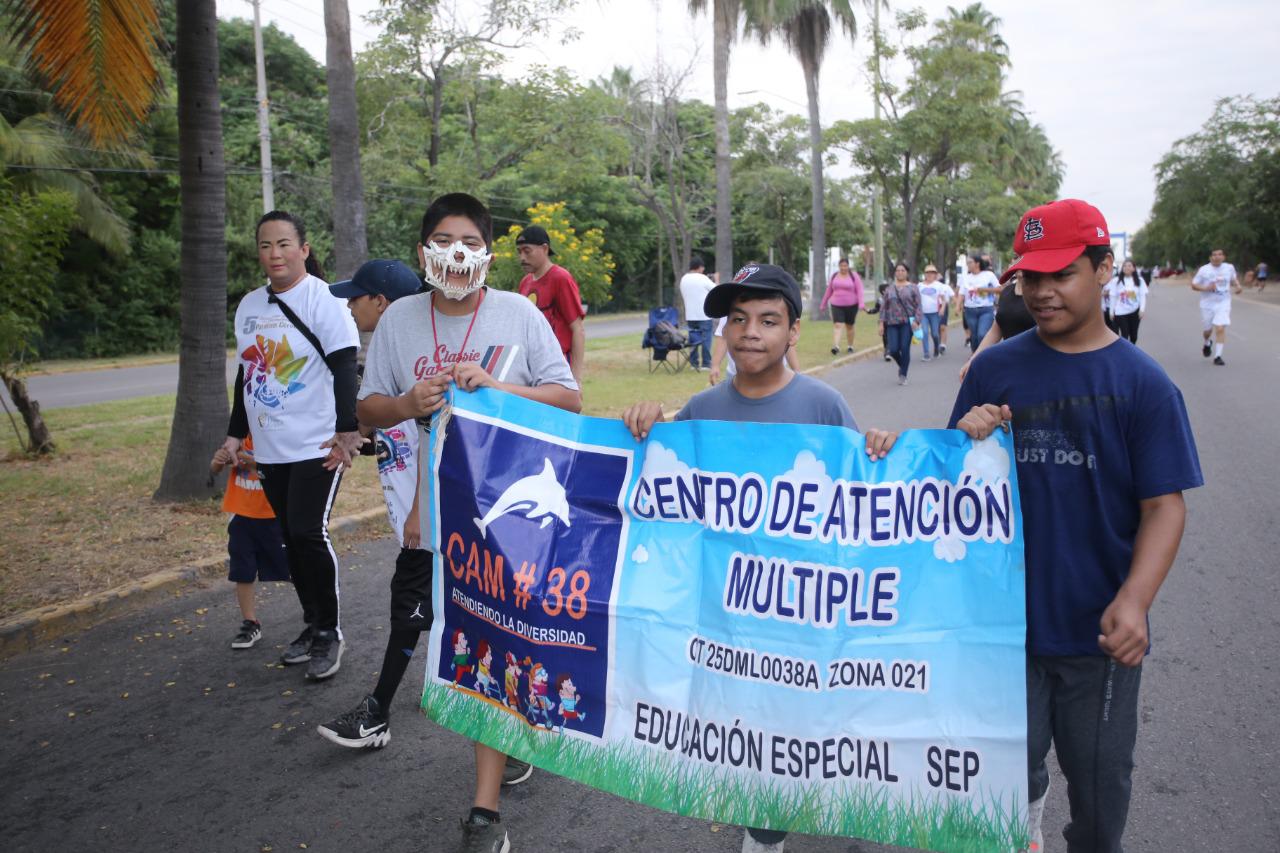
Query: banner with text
{"type": "Point", "coordinates": [749, 623]}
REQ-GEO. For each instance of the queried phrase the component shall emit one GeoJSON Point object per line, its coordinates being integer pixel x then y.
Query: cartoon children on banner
{"type": "Point", "coordinates": [461, 654]}
{"type": "Point", "coordinates": [486, 684]}
{"type": "Point", "coordinates": [568, 700]}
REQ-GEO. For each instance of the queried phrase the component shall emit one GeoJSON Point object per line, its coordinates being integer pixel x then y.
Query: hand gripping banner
{"type": "Point", "coordinates": [748, 623]}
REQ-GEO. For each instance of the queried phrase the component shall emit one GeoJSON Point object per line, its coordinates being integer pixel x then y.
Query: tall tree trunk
{"type": "Point", "coordinates": [39, 441]}
{"type": "Point", "coordinates": [349, 242]}
{"type": "Point", "coordinates": [200, 412]}
{"type": "Point", "coordinates": [818, 252]}
{"type": "Point", "coordinates": [725, 18]}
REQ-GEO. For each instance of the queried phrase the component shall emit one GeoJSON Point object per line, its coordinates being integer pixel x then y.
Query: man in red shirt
{"type": "Point", "coordinates": [551, 287]}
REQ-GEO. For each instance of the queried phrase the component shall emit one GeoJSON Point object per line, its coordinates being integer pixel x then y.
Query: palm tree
{"type": "Point", "coordinates": [200, 412]}
{"type": "Point", "coordinates": [99, 59]}
{"type": "Point", "coordinates": [805, 27]}
{"type": "Point", "coordinates": [350, 244]}
{"type": "Point", "coordinates": [725, 16]}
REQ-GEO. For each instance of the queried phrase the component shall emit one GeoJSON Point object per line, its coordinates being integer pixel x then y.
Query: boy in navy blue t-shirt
{"type": "Point", "coordinates": [1104, 450]}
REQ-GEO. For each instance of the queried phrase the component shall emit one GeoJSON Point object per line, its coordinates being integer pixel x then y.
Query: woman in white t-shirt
{"type": "Point", "coordinates": [935, 295]}
{"type": "Point", "coordinates": [978, 291]}
{"type": "Point", "coordinates": [295, 393]}
{"type": "Point", "coordinates": [1126, 298]}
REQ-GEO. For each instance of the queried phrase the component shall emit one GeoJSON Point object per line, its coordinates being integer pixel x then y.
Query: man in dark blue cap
{"type": "Point", "coordinates": [369, 292]}
{"type": "Point", "coordinates": [375, 285]}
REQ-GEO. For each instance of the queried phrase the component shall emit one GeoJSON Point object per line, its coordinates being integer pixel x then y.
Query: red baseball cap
{"type": "Point", "coordinates": [1051, 236]}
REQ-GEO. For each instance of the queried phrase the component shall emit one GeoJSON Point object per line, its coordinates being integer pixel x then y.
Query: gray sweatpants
{"type": "Point", "coordinates": [1087, 708]}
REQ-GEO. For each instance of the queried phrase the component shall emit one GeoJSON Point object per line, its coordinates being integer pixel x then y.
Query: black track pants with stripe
{"type": "Point", "coordinates": [302, 494]}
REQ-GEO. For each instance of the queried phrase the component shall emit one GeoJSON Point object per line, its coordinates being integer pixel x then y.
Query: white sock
{"type": "Point", "coordinates": [1035, 817]}
{"type": "Point", "coordinates": [1217, 350]}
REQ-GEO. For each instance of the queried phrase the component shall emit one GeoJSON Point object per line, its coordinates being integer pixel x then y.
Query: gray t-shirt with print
{"type": "Point", "coordinates": [804, 400]}
{"type": "Point", "coordinates": [510, 339]}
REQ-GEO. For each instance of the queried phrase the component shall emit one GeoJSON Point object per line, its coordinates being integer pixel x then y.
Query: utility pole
{"type": "Point", "coordinates": [264, 119]}
{"type": "Point", "coordinates": [877, 215]}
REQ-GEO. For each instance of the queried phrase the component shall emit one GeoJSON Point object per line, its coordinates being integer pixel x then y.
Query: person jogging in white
{"type": "Point", "coordinates": [1216, 281]}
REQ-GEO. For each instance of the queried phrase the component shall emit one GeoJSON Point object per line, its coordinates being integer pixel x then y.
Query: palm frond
{"type": "Point", "coordinates": [97, 56]}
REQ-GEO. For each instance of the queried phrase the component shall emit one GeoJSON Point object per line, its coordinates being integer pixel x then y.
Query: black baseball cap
{"type": "Point", "coordinates": [380, 276]}
{"type": "Point", "coordinates": [760, 277]}
{"type": "Point", "coordinates": [535, 235]}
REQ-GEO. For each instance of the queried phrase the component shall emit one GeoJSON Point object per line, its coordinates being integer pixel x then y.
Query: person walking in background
{"type": "Point", "coordinates": [899, 315]}
{"type": "Point", "coordinates": [295, 393]}
{"type": "Point", "coordinates": [1261, 273]}
{"type": "Point", "coordinates": [1127, 296]}
{"type": "Point", "coordinates": [844, 295]}
{"type": "Point", "coordinates": [554, 291]}
{"type": "Point", "coordinates": [935, 295]}
{"type": "Point", "coordinates": [694, 287]}
{"type": "Point", "coordinates": [978, 290]}
{"type": "Point", "coordinates": [1215, 282]}
{"type": "Point", "coordinates": [255, 545]}
{"type": "Point", "coordinates": [1012, 319]}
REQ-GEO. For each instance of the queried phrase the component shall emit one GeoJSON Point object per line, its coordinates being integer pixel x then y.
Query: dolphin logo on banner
{"type": "Point", "coordinates": [537, 496]}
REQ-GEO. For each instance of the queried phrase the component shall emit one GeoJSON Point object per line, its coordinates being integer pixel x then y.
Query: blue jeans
{"type": "Point", "coordinates": [898, 343]}
{"type": "Point", "coordinates": [1086, 707]}
{"type": "Point", "coordinates": [932, 325]}
{"type": "Point", "coordinates": [700, 329]}
{"type": "Point", "coordinates": [979, 321]}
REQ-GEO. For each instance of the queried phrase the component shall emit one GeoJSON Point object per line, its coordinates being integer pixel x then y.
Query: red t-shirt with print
{"type": "Point", "coordinates": [556, 295]}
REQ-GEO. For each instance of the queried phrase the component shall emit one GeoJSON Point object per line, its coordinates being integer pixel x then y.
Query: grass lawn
{"type": "Point", "coordinates": [83, 521]}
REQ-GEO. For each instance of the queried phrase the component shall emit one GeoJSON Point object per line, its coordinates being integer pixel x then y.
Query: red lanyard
{"type": "Point", "coordinates": [436, 341]}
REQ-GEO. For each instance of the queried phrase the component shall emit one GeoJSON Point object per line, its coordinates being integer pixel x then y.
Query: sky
{"type": "Point", "coordinates": [1114, 83]}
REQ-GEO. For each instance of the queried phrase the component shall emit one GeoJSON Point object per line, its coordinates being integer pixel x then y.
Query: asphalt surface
{"type": "Point", "coordinates": [149, 733]}
{"type": "Point", "coordinates": [60, 390]}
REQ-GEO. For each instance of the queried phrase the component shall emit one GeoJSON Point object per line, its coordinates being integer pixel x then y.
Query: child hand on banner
{"type": "Point", "coordinates": [640, 418]}
{"type": "Point", "coordinates": [983, 420]}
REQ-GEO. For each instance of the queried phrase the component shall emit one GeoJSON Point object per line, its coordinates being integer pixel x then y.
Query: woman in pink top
{"type": "Point", "coordinates": [844, 294]}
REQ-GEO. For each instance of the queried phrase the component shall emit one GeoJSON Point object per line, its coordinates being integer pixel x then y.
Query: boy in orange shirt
{"type": "Point", "coordinates": [255, 544]}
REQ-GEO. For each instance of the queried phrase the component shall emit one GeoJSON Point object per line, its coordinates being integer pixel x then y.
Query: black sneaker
{"type": "Point", "coordinates": [1218, 361]}
{"type": "Point", "coordinates": [835, 350]}
{"type": "Point", "coordinates": [480, 836]}
{"type": "Point", "coordinates": [299, 650]}
{"type": "Point", "coordinates": [247, 637]}
{"type": "Point", "coordinates": [516, 771]}
{"type": "Point", "coordinates": [364, 725]}
{"type": "Point", "coordinates": [888, 357]}
{"type": "Point", "coordinates": [1207, 350]}
{"type": "Point", "coordinates": [325, 656]}
{"type": "Point", "coordinates": [848, 349]}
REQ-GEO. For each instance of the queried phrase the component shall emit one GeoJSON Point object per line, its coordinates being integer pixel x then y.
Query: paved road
{"type": "Point", "coordinates": [99, 386]}
{"type": "Point", "coordinates": [215, 750]}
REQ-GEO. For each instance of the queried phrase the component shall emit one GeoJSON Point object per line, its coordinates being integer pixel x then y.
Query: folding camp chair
{"type": "Point", "coordinates": [667, 340]}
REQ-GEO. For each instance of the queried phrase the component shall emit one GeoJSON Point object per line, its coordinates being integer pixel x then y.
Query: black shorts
{"type": "Point", "coordinates": [256, 549]}
{"type": "Point", "coordinates": [844, 314]}
{"type": "Point", "coordinates": [411, 591]}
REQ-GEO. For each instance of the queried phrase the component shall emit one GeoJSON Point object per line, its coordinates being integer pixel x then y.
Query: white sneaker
{"type": "Point", "coordinates": [750, 845]}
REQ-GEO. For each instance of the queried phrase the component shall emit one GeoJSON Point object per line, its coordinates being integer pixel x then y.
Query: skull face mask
{"type": "Point", "coordinates": [440, 261]}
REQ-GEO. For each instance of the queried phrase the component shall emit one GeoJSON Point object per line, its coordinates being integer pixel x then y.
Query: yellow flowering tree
{"type": "Point", "coordinates": [583, 255]}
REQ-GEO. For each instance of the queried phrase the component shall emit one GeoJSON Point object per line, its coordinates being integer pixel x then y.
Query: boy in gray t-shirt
{"type": "Point", "coordinates": [763, 305]}
{"type": "Point", "coordinates": [464, 334]}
